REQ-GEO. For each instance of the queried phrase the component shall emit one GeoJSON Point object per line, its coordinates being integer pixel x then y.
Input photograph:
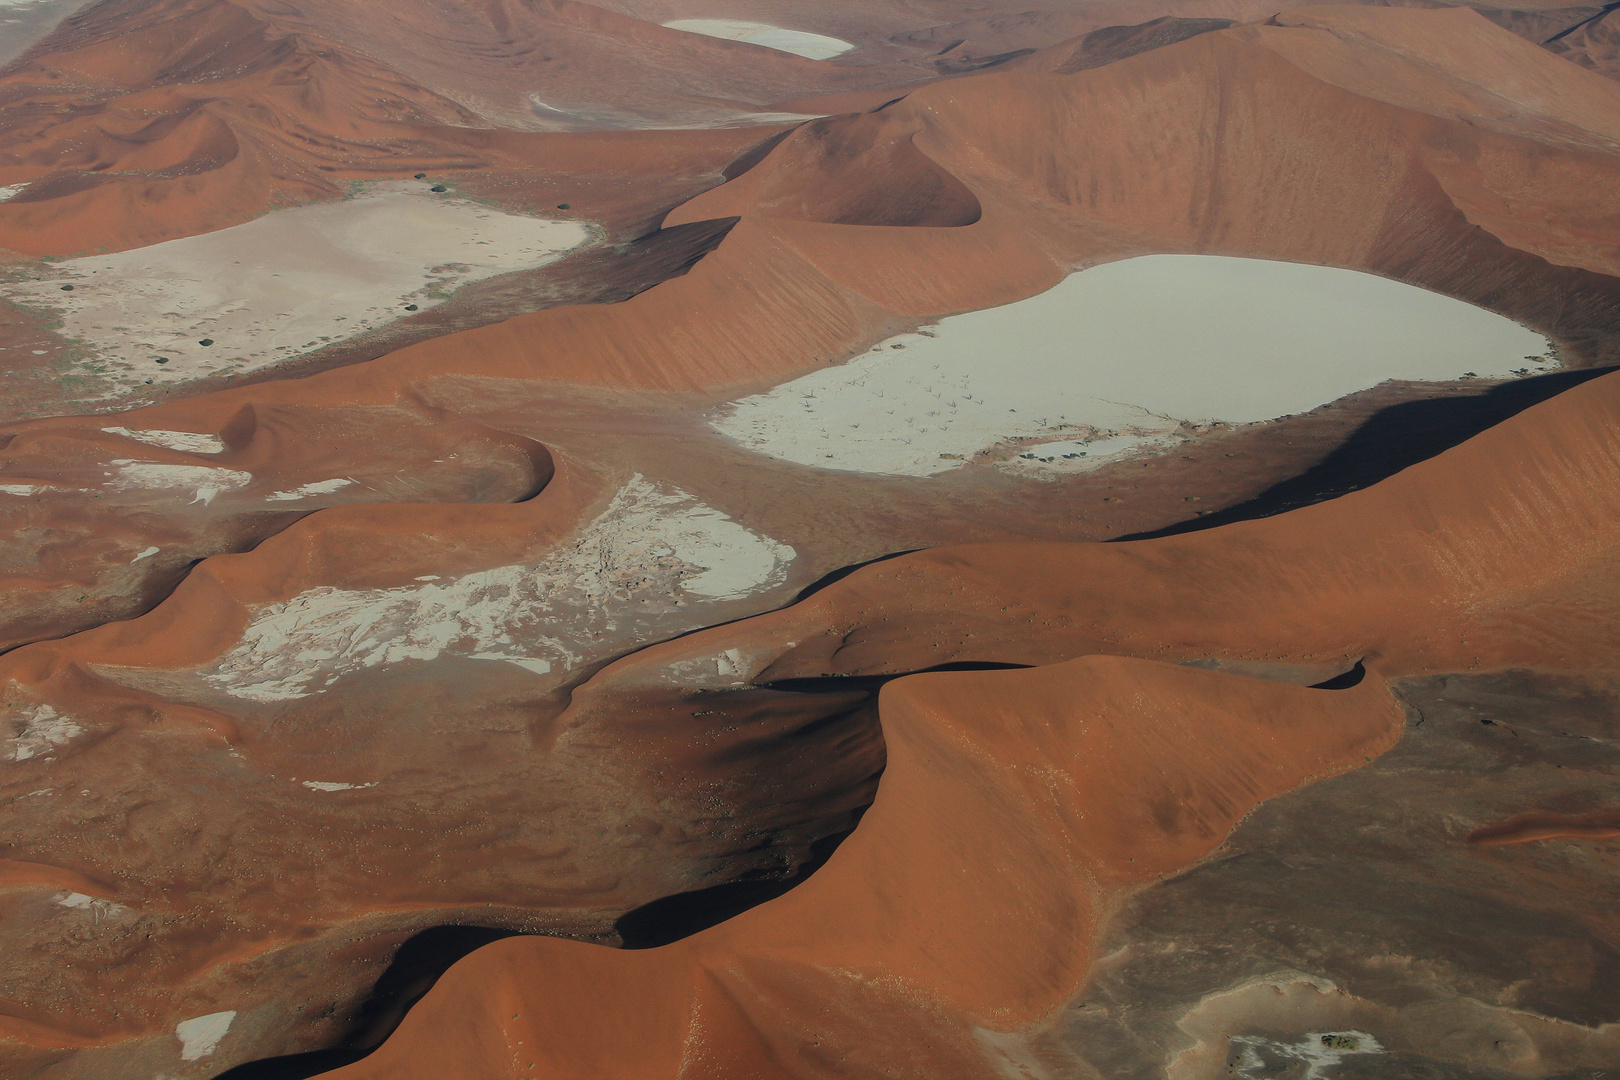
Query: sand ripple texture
{"type": "Point", "coordinates": [653, 550]}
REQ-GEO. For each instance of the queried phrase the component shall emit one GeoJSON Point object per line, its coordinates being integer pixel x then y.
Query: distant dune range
{"type": "Point", "coordinates": [859, 225]}
{"type": "Point", "coordinates": [135, 122]}
{"type": "Point", "coordinates": [1425, 145]}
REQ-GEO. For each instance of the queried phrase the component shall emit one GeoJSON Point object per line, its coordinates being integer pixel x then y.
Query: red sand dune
{"type": "Point", "coordinates": [135, 123]}
{"type": "Point", "coordinates": [825, 259]}
{"type": "Point", "coordinates": [1018, 805]}
{"type": "Point", "coordinates": [1015, 810]}
{"type": "Point", "coordinates": [1111, 767]}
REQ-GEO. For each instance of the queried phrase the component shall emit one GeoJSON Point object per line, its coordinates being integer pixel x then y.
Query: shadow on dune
{"type": "Point", "coordinates": [415, 968]}
{"type": "Point", "coordinates": [672, 918]}
{"type": "Point", "coordinates": [845, 684]}
{"type": "Point", "coordinates": [843, 572]}
{"type": "Point", "coordinates": [424, 958]}
{"type": "Point", "coordinates": [1391, 440]}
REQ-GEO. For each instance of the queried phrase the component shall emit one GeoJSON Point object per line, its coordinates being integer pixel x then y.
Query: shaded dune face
{"type": "Point", "coordinates": [198, 116]}
{"type": "Point", "coordinates": [135, 123]}
{"type": "Point", "coordinates": [859, 170]}
{"type": "Point", "coordinates": [840, 286]}
{"type": "Point", "coordinates": [1114, 43]}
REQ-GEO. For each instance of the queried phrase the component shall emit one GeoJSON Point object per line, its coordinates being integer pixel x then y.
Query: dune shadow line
{"type": "Point", "coordinates": [1390, 440]}
{"type": "Point", "coordinates": [418, 964]}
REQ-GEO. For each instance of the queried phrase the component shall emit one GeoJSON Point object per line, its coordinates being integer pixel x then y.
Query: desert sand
{"type": "Point", "coordinates": [769, 994]}
{"type": "Point", "coordinates": [457, 701]}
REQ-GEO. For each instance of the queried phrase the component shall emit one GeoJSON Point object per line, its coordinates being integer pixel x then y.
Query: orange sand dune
{"type": "Point", "coordinates": [492, 54]}
{"type": "Point", "coordinates": [817, 267]}
{"type": "Point", "coordinates": [1492, 554]}
{"type": "Point", "coordinates": [1486, 556]}
{"type": "Point", "coordinates": [1015, 810]}
{"type": "Point", "coordinates": [135, 123]}
{"type": "Point", "coordinates": [161, 508]}
{"type": "Point", "coordinates": [1018, 806]}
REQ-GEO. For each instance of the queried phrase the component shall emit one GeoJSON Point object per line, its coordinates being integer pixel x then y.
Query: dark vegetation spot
{"type": "Point", "coordinates": [206, 341]}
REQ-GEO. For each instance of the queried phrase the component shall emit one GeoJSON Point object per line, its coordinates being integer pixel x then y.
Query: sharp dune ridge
{"type": "Point", "coordinates": [887, 946]}
{"type": "Point", "coordinates": [136, 123]}
{"type": "Point", "coordinates": [493, 630]}
{"type": "Point", "coordinates": [844, 282]}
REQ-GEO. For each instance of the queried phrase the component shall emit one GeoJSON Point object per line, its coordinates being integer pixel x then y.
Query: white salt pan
{"type": "Point", "coordinates": [189, 442]}
{"type": "Point", "coordinates": [308, 491]}
{"type": "Point", "coordinates": [200, 1036]}
{"type": "Point", "coordinates": [287, 283]}
{"type": "Point", "coordinates": [1128, 349]}
{"type": "Point", "coordinates": [1317, 1051]}
{"type": "Point", "coordinates": [599, 117]}
{"type": "Point", "coordinates": [95, 907]}
{"type": "Point", "coordinates": [43, 730]}
{"type": "Point", "coordinates": [797, 42]}
{"type": "Point", "coordinates": [653, 550]}
{"type": "Point", "coordinates": [1075, 456]}
{"type": "Point", "coordinates": [207, 481]}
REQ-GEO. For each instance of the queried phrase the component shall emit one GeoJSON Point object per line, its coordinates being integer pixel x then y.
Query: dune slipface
{"type": "Point", "coordinates": [1011, 818]}
{"type": "Point", "coordinates": [554, 594]}
{"type": "Point", "coordinates": [1009, 821]}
